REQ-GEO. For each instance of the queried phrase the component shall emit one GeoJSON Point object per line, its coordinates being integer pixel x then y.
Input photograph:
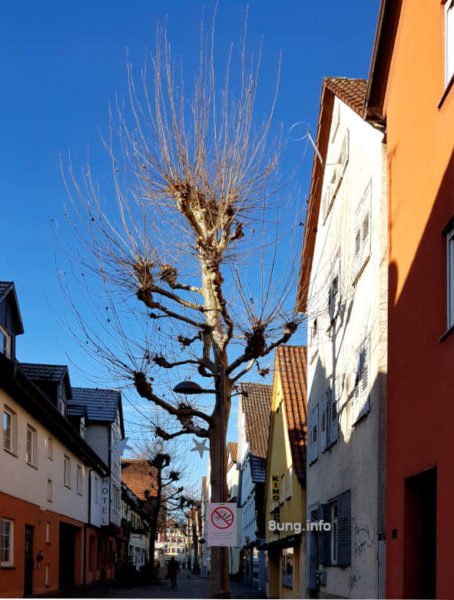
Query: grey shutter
{"type": "Point", "coordinates": [313, 556]}
{"type": "Point", "coordinates": [313, 444]}
{"type": "Point", "coordinates": [333, 417]}
{"type": "Point", "coordinates": [323, 427]}
{"type": "Point", "coordinates": [324, 537]}
{"type": "Point", "coordinates": [344, 527]}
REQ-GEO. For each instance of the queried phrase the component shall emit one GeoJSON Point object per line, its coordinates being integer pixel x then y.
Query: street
{"type": "Point", "coordinates": [187, 587]}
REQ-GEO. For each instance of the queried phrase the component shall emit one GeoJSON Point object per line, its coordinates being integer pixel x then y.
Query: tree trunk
{"type": "Point", "coordinates": [219, 580]}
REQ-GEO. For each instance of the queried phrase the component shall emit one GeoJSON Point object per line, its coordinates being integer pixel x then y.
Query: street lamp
{"type": "Point", "coordinates": [189, 388]}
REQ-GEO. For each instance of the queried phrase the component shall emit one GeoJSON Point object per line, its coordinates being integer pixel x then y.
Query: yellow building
{"type": "Point", "coordinates": [285, 495]}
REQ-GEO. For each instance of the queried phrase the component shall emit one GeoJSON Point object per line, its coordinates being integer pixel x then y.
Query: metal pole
{"type": "Point", "coordinates": [222, 458]}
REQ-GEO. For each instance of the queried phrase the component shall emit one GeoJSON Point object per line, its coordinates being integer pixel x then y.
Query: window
{"type": "Point", "coordinates": [48, 532]}
{"type": "Point", "coordinates": [323, 425]}
{"type": "Point", "coordinates": [282, 490]}
{"type": "Point", "coordinates": [313, 447]}
{"type": "Point", "coordinates": [79, 480]}
{"type": "Point", "coordinates": [116, 497]}
{"type": "Point", "coordinates": [450, 276]}
{"type": "Point", "coordinates": [360, 392]}
{"type": "Point", "coordinates": [333, 295]}
{"type": "Point", "coordinates": [7, 549]}
{"type": "Point", "coordinates": [46, 575]}
{"type": "Point", "coordinates": [334, 533]}
{"type": "Point", "coordinates": [5, 343]}
{"type": "Point", "coordinates": [362, 231]}
{"type": "Point", "coordinates": [335, 545]}
{"type": "Point", "coordinates": [50, 490]}
{"type": "Point", "coordinates": [287, 567]}
{"type": "Point", "coordinates": [9, 430]}
{"type": "Point", "coordinates": [96, 489]}
{"type": "Point", "coordinates": [61, 407]}
{"type": "Point", "coordinates": [31, 452]}
{"type": "Point", "coordinates": [67, 471]}
{"type": "Point", "coordinates": [449, 41]}
{"type": "Point", "coordinates": [50, 448]}
{"type": "Point", "coordinates": [289, 484]}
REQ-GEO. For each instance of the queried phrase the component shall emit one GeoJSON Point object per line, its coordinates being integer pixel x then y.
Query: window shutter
{"type": "Point", "coordinates": [313, 555]}
{"type": "Point", "coordinates": [313, 443]}
{"type": "Point", "coordinates": [323, 424]}
{"type": "Point", "coordinates": [333, 417]}
{"type": "Point", "coordinates": [344, 534]}
{"type": "Point", "coordinates": [324, 537]}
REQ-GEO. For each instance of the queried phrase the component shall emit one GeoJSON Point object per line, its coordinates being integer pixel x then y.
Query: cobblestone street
{"type": "Point", "coordinates": [187, 587]}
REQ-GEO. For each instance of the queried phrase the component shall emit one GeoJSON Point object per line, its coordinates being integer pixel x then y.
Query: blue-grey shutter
{"type": "Point", "coordinates": [333, 417]}
{"type": "Point", "coordinates": [344, 529]}
{"type": "Point", "coordinates": [324, 537]}
{"type": "Point", "coordinates": [313, 556]}
{"type": "Point", "coordinates": [323, 426]}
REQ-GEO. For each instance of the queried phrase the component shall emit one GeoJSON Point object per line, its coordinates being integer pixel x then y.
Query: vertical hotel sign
{"type": "Point", "coordinates": [105, 497]}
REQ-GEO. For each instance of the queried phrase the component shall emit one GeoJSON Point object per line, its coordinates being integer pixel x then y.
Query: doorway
{"type": "Point", "coordinates": [28, 561]}
{"type": "Point", "coordinates": [420, 543]}
{"type": "Point", "coordinates": [67, 554]}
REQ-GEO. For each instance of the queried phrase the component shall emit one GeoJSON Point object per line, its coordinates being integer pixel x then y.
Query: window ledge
{"type": "Point", "coordinates": [32, 466]}
{"type": "Point", "coordinates": [12, 452]}
{"type": "Point", "coordinates": [447, 333]}
{"type": "Point", "coordinates": [7, 567]}
{"type": "Point", "coordinates": [446, 92]}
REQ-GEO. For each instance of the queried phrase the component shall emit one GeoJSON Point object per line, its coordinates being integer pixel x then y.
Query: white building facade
{"type": "Point", "coordinates": [343, 291]}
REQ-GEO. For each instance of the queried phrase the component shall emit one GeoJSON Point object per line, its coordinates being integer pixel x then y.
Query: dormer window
{"type": "Point", "coordinates": [5, 343]}
{"type": "Point", "coordinates": [61, 406]}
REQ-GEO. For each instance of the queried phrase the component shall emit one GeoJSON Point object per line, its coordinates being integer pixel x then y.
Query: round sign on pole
{"type": "Point", "coordinates": [222, 517]}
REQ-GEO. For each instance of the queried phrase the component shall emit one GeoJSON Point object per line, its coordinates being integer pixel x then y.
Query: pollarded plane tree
{"type": "Point", "coordinates": [188, 238]}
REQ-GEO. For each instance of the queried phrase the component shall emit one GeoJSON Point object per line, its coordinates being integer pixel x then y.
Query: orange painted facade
{"type": "Point", "coordinates": [47, 551]}
{"type": "Point", "coordinates": [408, 88]}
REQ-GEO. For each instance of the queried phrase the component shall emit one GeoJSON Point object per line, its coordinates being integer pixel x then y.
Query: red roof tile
{"type": "Point", "coordinates": [350, 91]}
{"type": "Point", "coordinates": [139, 476]}
{"type": "Point", "coordinates": [256, 402]}
{"type": "Point", "coordinates": [291, 367]}
{"type": "Point", "coordinates": [233, 450]}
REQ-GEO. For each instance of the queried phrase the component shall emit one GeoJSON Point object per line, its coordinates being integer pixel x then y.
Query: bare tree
{"type": "Point", "coordinates": [186, 241]}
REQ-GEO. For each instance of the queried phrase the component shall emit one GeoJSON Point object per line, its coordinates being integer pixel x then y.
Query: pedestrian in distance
{"type": "Point", "coordinates": [172, 572]}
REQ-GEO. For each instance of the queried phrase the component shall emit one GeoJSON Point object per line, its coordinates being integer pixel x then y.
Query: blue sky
{"type": "Point", "coordinates": [62, 63]}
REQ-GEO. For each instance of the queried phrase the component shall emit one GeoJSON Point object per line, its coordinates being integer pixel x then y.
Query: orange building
{"type": "Point", "coordinates": [411, 94]}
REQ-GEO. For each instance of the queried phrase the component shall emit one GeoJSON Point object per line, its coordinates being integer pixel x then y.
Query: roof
{"type": "Point", "coordinates": [24, 391]}
{"type": "Point", "coordinates": [76, 410]}
{"type": "Point", "coordinates": [139, 475]}
{"type": "Point", "coordinates": [233, 450]}
{"type": "Point", "coordinates": [7, 287]}
{"type": "Point", "coordinates": [385, 37]}
{"type": "Point", "coordinates": [291, 367]}
{"type": "Point", "coordinates": [44, 372]}
{"type": "Point", "coordinates": [102, 405]}
{"type": "Point", "coordinates": [53, 373]}
{"type": "Point", "coordinates": [352, 92]}
{"type": "Point", "coordinates": [256, 401]}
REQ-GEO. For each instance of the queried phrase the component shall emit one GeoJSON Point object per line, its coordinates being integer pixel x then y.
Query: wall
{"type": "Point", "coordinates": [356, 461]}
{"type": "Point", "coordinates": [420, 135]}
{"type": "Point", "coordinates": [23, 481]}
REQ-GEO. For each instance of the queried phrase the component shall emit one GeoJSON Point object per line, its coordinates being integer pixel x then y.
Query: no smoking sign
{"type": "Point", "coordinates": [221, 524]}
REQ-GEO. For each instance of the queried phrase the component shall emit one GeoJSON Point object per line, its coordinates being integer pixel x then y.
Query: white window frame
{"type": "Point", "coordinates": [10, 548]}
{"type": "Point", "coordinates": [7, 348]}
{"type": "Point", "coordinates": [67, 471]}
{"type": "Point", "coordinates": [50, 448]}
{"type": "Point", "coordinates": [282, 490]}
{"type": "Point", "coordinates": [31, 453]}
{"type": "Point", "coordinates": [61, 406]}
{"type": "Point", "coordinates": [449, 41]}
{"type": "Point", "coordinates": [450, 277]}
{"type": "Point", "coordinates": [362, 249]}
{"type": "Point", "coordinates": [12, 446]}
{"type": "Point", "coordinates": [79, 480]}
{"type": "Point", "coordinates": [361, 387]}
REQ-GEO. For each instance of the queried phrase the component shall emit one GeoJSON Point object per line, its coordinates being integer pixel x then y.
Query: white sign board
{"type": "Point", "coordinates": [221, 524]}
